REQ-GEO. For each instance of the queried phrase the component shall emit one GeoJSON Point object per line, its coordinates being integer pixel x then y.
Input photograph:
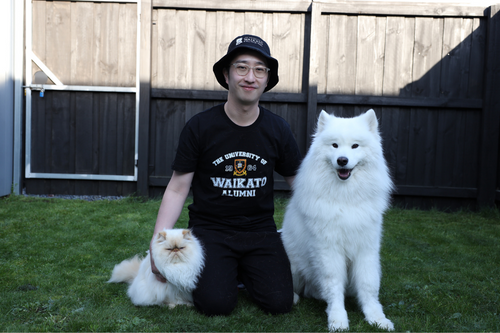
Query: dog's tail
{"type": "Point", "coordinates": [126, 271]}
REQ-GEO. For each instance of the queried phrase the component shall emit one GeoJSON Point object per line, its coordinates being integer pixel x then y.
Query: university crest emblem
{"type": "Point", "coordinates": [240, 167]}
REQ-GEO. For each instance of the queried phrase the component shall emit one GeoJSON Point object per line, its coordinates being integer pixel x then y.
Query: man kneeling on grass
{"type": "Point", "coordinates": [227, 155]}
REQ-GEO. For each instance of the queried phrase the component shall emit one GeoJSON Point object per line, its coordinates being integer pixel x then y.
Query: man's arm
{"type": "Point", "coordinates": [170, 209]}
{"type": "Point", "coordinates": [173, 200]}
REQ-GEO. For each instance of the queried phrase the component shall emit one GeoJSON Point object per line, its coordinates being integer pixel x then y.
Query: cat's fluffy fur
{"type": "Point", "coordinates": [179, 257]}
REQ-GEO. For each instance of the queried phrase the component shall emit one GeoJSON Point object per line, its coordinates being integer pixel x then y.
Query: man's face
{"type": "Point", "coordinates": [246, 89]}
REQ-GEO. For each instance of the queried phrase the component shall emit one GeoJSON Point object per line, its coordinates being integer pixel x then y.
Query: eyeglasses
{"type": "Point", "coordinates": [243, 69]}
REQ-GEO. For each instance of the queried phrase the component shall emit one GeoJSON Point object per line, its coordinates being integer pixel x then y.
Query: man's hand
{"type": "Point", "coordinates": [155, 270]}
{"type": "Point", "coordinates": [170, 209]}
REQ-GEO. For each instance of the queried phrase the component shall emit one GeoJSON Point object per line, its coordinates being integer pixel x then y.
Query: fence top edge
{"type": "Point", "coordinates": [329, 7]}
{"type": "Point", "coordinates": [402, 9]}
{"type": "Point", "coordinates": [236, 5]}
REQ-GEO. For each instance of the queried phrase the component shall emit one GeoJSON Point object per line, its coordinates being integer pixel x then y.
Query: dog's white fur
{"type": "Point", "coordinates": [180, 266]}
{"type": "Point", "coordinates": [332, 227]}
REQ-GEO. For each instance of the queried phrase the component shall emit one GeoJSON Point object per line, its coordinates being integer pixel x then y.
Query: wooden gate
{"type": "Point", "coordinates": [81, 97]}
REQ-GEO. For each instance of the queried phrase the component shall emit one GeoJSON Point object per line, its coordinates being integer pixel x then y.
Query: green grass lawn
{"type": "Point", "coordinates": [441, 272]}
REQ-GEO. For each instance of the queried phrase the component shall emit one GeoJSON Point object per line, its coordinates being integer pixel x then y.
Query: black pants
{"type": "Point", "coordinates": [257, 259]}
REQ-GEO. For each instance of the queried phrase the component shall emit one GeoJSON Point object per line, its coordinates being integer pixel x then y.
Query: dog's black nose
{"type": "Point", "coordinates": [342, 161]}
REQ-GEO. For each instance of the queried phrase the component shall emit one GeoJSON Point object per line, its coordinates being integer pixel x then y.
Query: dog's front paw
{"type": "Point", "coordinates": [338, 321]}
{"type": "Point", "coordinates": [383, 323]}
{"type": "Point", "coordinates": [337, 318]}
{"type": "Point", "coordinates": [338, 325]}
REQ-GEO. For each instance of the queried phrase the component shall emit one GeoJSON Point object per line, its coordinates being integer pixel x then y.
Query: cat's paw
{"type": "Point", "coordinates": [174, 304]}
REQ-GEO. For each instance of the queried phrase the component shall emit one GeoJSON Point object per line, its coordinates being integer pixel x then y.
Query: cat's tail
{"type": "Point", "coordinates": [126, 271]}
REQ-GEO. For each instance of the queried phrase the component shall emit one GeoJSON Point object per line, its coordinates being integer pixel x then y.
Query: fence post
{"type": "Point", "coordinates": [312, 91]}
{"type": "Point", "coordinates": [144, 97]}
{"type": "Point", "coordinates": [489, 154]}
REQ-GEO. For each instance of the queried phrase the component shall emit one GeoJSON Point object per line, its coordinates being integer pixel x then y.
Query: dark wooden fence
{"type": "Point", "coordinates": [431, 73]}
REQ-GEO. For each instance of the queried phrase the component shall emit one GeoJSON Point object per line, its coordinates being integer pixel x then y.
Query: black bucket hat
{"type": "Point", "coordinates": [253, 43]}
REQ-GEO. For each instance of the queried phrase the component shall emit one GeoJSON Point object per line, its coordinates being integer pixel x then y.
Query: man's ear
{"type": "Point", "coordinates": [226, 75]}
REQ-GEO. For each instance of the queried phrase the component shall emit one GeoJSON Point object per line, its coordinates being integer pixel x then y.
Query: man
{"type": "Point", "coordinates": [228, 154]}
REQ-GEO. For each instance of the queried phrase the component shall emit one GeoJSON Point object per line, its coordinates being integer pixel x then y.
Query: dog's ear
{"type": "Point", "coordinates": [322, 119]}
{"type": "Point", "coordinates": [371, 119]}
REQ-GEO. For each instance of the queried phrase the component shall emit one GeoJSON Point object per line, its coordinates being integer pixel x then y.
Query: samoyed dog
{"type": "Point", "coordinates": [332, 227]}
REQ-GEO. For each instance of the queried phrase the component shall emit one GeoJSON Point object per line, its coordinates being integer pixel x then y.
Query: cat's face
{"type": "Point", "coordinates": [173, 245]}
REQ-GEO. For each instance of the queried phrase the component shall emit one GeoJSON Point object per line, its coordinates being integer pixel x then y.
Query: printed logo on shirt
{"type": "Point", "coordinates": [240, 166]}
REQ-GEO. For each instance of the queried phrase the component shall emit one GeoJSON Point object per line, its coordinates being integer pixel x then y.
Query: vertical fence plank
{"type": "Point", "coordinates": [82, 43]}
{"type": "Point", "coordinates": [239, 25]}
{"type": "Point", "coordinates": [370, 55]}
{"type": "Point", "coordinates": [488, 182]}
{"type": "Point", "coordinates": [267, 30]}
{"type": "Point", "coordinates": [287, 31]}
{"type": "Point", "coordinates": [58, 40]}
{"type": "Point", "coordinates": [156, 51]}
{"type": "Point", "coordinates": [398, 64]}
{"type": "Point", "coordinates": [183, 54]}
{"type": "Point", "coordinates": [82, 31]}
{"type": "Point", "coordinates": [39, 129]}
{"type": "Point", "coordinates": [341, 55]}
{"type": "Point", "coordinates": [196, 57]}
{"type": "Point", "coordinates": [225, 33]}
{"type": "Point", "coordinates": [166, 48]}
{"type": "Point", "coordinates": [398, 59]}
{"type": "Point", "coordinates": [477, 57]}
{"type": "Point", "coordinates": [313, 70]}
{"type": "Point", "coordinates": [427, 56]}
{"type": "Point", "coordinates": [127, 45]}
{"type": "Point", "coordinates": [39, 32]}
{"type": "Point", "coordinates": [144, 97]}
{"type": "Point", "coordinates": [297, 60]}
{"type": "Point", "coordinates": [108, 60]}
{"type": "Point", "coordinates": [282, 48]}
{"type": "Point", "coordinates": [210, 53]}
{"type": "Point", "coordinates": [455, 57]}
{"type": "Point", "coordinates": [454, 80]}
{"type": "Point", "coordinates": [60, 134]}
{"type": "Point", "coordinates": [159, 128]}
{"type": "Point", "coordinates": [84, 132]}
{"type": "Point", "coordinates": [324, 48]}
{"type": "Point", "coordinates": [254, 23]}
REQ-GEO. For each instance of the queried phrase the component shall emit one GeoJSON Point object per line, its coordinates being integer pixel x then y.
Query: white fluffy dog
{"type": "Point", "coordinates": [332, 227]}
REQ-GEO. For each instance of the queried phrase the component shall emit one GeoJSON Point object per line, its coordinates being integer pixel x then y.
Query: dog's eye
{"type": "Point", "coordinates": [354, 146]}
{"type": "Point", "coordinates": [335, 145]}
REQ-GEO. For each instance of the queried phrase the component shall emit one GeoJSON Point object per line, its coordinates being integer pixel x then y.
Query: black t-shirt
{"type": "Point", "coordinates": [233, 168]}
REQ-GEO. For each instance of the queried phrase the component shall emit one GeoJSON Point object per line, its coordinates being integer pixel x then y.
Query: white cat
{"type": "Point", "coordinates": [179, 257]}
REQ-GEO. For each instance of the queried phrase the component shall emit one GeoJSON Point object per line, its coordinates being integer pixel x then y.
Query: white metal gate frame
{"type": "Point", "coordinates": [59, 86]}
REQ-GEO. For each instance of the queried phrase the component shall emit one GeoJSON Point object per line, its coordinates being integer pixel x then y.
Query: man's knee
{"type": "Point", "coordinates": [277, 303]}
{"type": "Point", "coordinates": [215, 305]}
